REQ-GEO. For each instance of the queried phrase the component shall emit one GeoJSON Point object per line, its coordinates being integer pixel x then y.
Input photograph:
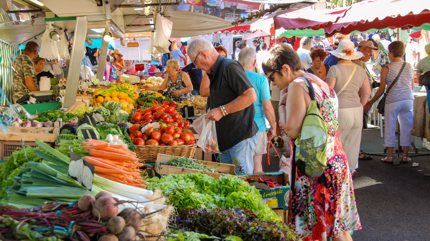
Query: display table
{"type": "Point", "coordinates": [421, 116]}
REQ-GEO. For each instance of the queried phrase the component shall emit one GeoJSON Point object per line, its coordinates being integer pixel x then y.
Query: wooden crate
{"type": "Point", "coordinates": [220, 167]}
{"type": "Point", "coordinates": [7, 147]}
{"type": "Point", "coordinates": [30, 134]}
{"type": "Point", "coordinates": [166, 169]}
{"type": "Point", "coordinates": [283, 214]}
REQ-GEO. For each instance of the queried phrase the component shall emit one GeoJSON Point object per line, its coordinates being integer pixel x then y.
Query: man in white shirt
{"type": "Point", "coordinates": [262, 56]}
{"type": "Point", "coordinates": [304, 52]}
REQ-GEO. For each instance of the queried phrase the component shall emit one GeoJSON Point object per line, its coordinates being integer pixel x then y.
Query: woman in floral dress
{"type": "Point", "coordinates": [321, 208]}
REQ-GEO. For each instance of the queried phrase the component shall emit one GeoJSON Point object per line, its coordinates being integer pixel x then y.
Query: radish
{"type": "Point", "coordinates": [116, 224]}
{"type": "Point", "coordinates": [128, 234]}
{"type": "Point", "coordinates": [85, 202]}
{"type": "Point", "coordinates": [108, 237]}
{"type": "Point", "coordinates": [107, 207]}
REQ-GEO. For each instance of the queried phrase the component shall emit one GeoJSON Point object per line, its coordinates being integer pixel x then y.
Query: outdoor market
{"type": "Point", "coordinates": [225, 120]}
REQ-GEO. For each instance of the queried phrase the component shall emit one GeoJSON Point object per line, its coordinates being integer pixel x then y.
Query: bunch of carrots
{"type": "Point", "coordinates": [114, 162]}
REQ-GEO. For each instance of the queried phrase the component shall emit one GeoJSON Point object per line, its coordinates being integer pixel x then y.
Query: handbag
{"type": "Point", "coordinates": [381, 104]}
{"type": "Point", "coordinates": [424, 79]}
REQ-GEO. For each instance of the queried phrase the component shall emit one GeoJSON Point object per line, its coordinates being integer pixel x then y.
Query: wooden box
{"type": "Point", "coordinates": [26, 134]}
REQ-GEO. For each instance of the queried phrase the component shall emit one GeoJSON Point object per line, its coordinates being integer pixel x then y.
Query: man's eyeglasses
{"type": "Point", "coordinates": [195, 59]}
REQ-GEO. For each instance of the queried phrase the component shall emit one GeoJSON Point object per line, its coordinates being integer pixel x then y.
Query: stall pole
{"type": "Point", "coordinates": [102, 61]}
{"type": "Point", "coordinates": [78, 51]}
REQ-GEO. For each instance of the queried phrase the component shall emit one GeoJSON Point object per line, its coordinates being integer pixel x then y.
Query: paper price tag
{"type": "Point", "coordinates": [81, 170]}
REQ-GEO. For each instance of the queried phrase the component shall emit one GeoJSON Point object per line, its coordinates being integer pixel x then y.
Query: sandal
{"type": "Point", "coordinates": [387, 159]}
{"type": "Point", "coordinates": [363, 156]}
{"type": "Point", "coordinates": [406, 159]}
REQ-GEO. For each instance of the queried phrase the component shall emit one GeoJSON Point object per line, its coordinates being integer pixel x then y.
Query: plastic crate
{"type": "Point", "coordinates": [7, 147]}
{"type": "Point", "coordinates": [42, 107]}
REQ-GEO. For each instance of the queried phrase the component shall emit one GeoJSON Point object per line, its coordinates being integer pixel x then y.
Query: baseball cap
{"type": "Point", "coordinates": [366, 43]}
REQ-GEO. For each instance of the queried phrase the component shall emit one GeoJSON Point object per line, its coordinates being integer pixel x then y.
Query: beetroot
{"type": "Point", "coordinates": [107, 207]}
{"type": "Point", "coordinates": [132, 217]}
{"type": "Point", "coordinates": [108, 237]}
{"type": "Point", "coordinates": [102, 193]}
{"type": "Point", "coordinates": [85, 202]}
{"type": "Point", "coordinates": [116, 225]}
{"type": "Point", "coordinates": [128, 234]}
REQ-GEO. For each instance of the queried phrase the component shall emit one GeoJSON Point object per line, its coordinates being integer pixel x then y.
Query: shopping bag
{"type": "Point", "coordinates": [208, 141]}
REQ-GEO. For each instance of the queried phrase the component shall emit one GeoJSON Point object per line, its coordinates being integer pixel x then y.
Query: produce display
{"type": "Point", "coordinates": [202, 191]}
{"type": "Point", "coordinates": [238, 222]}
{"type": "Point", "coordinates": [152, 81]}
{"type": "Point", "coordinates": [160, 125]}
{"type": "Point", "coordinates": [114, 162]}
{"type": "Point", "coordinates": [124, 94]}
{"type": "Point", "coordinates": [188, 163]}
{"type": "Point", "coordinates": [149, 98]}
{"type": "Point", "coordinates": [101, 217]}
{"type": "Point", "coordinates": [110, 111]}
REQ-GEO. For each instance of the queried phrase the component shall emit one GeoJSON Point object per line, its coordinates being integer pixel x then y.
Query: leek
{"type": "Point", "coordinates": [121, 188]}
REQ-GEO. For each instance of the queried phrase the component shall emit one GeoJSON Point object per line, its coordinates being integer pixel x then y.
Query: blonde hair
{"type": "Point", "coordinates": [174, 45]}
{"type": "Point", "coordinates": [427, 49]}
{"type": "Point", "coordinates": [174, 63]}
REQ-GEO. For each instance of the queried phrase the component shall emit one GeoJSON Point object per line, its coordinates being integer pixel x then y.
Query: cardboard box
{"type": "Point", "coordinates": [283, 214]}
{"type": "Point", "coordinates": [276, 197]}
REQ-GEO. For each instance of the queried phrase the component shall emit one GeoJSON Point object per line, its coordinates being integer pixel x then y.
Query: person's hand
{"type": "Point", "coordinates": [176, 93]}
{"type": "Point", "coordinates": [367, 107]}
{"type": "Point", "coordinates": [215, 114]}
{"type": "Point", "coordinates": [273, 133]}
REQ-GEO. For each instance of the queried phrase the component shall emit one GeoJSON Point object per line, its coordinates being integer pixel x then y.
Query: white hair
{"type": "Point", "coordinates": [247, 56]}
{"type": "Point", "coordinates": [197, 45]}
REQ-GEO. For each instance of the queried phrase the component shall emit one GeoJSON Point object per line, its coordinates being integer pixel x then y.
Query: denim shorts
{"type": "Point", "coordinates": [241, 155]}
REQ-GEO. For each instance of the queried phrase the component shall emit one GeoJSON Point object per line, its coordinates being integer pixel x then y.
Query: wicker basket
{"type": "Point", "coordinates": [149, 153]}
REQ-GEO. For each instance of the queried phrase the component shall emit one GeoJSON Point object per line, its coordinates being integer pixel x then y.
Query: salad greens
{"type": "Point", "coordinates": [54, 115]}
{"type": "Point", "coordinates": [198, 190]}
{"type": "Point", "coordinates": [189, 163]}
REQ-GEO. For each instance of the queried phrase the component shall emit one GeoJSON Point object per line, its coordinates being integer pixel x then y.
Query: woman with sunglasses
{"type": "Point", "coordinates": [321, 208]}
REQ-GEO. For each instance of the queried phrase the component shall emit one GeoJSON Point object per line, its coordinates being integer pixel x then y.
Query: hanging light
{"type": "Point", "coordinates": [54, 35]}
{"type": "Point", "coordinates": [107, 37]}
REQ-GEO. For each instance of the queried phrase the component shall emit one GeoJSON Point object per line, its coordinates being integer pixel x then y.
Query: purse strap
{"type": "Point", "coordinates": [349, 80]}
{"type": "Point", "coordinates": [397, 78]}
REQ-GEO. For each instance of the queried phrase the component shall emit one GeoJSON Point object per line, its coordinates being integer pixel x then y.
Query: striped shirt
{"type": "Point", "coordinates": [402, 90]}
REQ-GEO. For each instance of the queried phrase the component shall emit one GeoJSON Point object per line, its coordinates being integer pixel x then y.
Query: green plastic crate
{"type": "Point", "coordinates": [42, 107]}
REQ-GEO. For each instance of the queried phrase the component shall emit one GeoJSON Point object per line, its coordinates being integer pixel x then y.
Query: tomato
{"type": "Point", "coordinates": [170, 130]}
{"type": "Point", "coordinates": [187, 124]}
{"type": "Point", "coordinates": [147, 121]}
{"type": "Point", "coordinates": [134, 128]}
{"type": "Point", "coordinates": [180, 142]}
{"type": "Point", "coordinates": [172, 103]}
{"type": "Point", "coordinates": [181, 124]}
{"type": "Point", "coordinates": [188, 131]}
{"type": "Point", "coordinates": [139, 141]}
{"type": "Point", "coordinates": [152, 142]}
{"type": "Point", "coordinates": [186, 136]}
{"type": "Point", "coordinates": [157, 115]}
{"type": "Point", "coordinates": [166, 138]}
{"type": "Point", "coordinates": [173, 143]}
{"type": "Point", "coordinates": [147, 116]}
{"type": "Point", "coordinates": [165, 103]}
{"type": "Point", "coordinates": [178, 130]}
{"type": "Point", "coordinates": [163, 116]}
{"type": "Point", "coordinates": [156, 135]}
{"type": "Point", "coordinates": [136, 117]}
{"type": "Point", "coordinates": [132, 136]}
{"type": "Point", "coordinates": [169, 120]}
{"type": "Point", "coordinates": [154, 108]}
{"type": "Point", "coordinates": [149, 131]}
{"type": "Point", "coordinates": [176, 136]}
{"type": "Point", "coordinates": [146, 111]}
{"type": "Point", "coordinates": [190, 142]}
{"type": "Point", "coordinates": [138, 134]}
{"type": "Point", "coordinates": [145, 137]}
{"type": "Point", "coordinates": [176, 117]}
{"type": "Point", "coordinates": [169, 110]}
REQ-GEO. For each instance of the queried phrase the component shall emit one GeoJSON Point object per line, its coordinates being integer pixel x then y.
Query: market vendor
{"type": "Point", "coordinates": [39, 63]}
{"type": "Point", "coordinates": [177, 85]}
{"type": "Point", "coordinates": [118, 61]}
{"type": "Point", "coordinates": [24, 74]}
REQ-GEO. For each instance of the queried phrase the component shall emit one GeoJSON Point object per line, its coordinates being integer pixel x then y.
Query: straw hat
{"type": "Point", "coordinates": [346, 51]}
{"type": "Point", "coordinates": [366, 44]}
{"type": "Point", "coordinates": [115, 52]}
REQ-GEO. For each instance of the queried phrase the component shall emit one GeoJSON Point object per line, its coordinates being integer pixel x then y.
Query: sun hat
{"type": "Point", "coordinates": [366, 44]}
{"type": "Point", "coordinates": [115, 52]}
{"type": "Point", "coordinates": [346, 51]}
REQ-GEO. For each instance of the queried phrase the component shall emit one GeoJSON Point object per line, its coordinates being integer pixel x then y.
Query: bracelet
{"type": "Point", "coordinates": [223, 110]}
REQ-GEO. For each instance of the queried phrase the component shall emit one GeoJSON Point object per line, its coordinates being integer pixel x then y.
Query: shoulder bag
{"type": "Point", "coordinates": [424, 79]}
{"type": "Point", "coordinates": [381, 104]}
{"type": "Point", "coordinates": [349, 80]}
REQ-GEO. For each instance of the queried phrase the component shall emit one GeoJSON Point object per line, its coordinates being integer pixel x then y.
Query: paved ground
{"type": "Point", "coordinates": [393, 201]}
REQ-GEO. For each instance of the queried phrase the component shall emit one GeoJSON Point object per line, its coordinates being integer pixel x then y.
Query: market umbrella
{"type": "Point", "coordinates": [381, 14]}
{"type": "Point", "coordinates": [300, 33]}
{"type": "Point", "coordinates": [308, 18]}
{"type": "Point", "coordinates": [256, 34]}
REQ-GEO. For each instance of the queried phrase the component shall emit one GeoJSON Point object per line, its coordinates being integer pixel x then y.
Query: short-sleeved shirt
{"type": "Point", "coordinates": [196, 75]}
{"type": "Point", "coordinates": [262, 90]}
{"type": "Point", "coordinates": [424, 65]}
{"type": "Point", "coordinates": [227, 82]}
{"type": "Point", "coordinates": [23, 66]}
{"type": "Point", "coordinates": [330, 60]}
{"type": "Point", "coordinates": [177, 54]}
{"type": "Point", "coordinates": [349, 97]}
{"type": "Point", "coordinates": [305, 57]}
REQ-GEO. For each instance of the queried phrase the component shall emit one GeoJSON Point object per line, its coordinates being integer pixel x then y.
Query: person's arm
{"type": "Point", "coordinates": [381, 89]}
{"type": "Point", "coordinates": [188, 86]}
{"type": "Point", "coordinates": [281, 109]}
{"type": "Point", "coordinates": [269, 112]}
{"type": "Point", "coordinates": [331, 77]}
{"type": "Point", "coordinates": [296, 109]}
{"type": "Point", "coordinates": [29, 83]}
{"type": "Point", "coordinates": [163, 86]}
{"type": "Point", "coordinates": [244, 100]}
{"type": "Point", "coordinates": [205, 86]}
{"type": "Point", "coordinates": [364, 92]}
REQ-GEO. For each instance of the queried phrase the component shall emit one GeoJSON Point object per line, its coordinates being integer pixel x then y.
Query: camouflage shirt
{"type": "Point", "coordinates": [23, 66]}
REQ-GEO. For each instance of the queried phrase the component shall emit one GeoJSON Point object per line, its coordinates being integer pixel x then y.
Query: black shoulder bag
{"type": "Point", "coordinates": [381, 104]}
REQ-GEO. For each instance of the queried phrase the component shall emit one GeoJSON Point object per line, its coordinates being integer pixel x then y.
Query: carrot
{"type": "Point", "coordinates": [112, 156]}
{"type": "Point", "coordinates": [99, 162]}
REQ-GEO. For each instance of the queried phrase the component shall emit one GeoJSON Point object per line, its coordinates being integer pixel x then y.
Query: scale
{"type": "Point", "coordinates": [42, 96]}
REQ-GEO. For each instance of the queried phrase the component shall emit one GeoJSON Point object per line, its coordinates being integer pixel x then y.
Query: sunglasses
{"type": "Point", "coordinates": [271, 76]}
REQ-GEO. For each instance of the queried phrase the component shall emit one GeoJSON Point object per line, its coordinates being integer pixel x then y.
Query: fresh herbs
{"type": "Point", "coordinates": [189, 163]}
{"type": "Point", "coordinates": [202, 191]}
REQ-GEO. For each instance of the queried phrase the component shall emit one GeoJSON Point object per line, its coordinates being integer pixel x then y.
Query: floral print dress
{"type": "Point", "coordinates": [177, 85]}
{"type": "Point", "coordinates": [322, 208]}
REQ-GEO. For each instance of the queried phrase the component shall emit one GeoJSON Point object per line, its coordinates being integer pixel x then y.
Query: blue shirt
{"type": "Point", "coordinates": [262, 89]}
{"type": "Point", "coordinates": [330, 60]}
{"type": "Point", "coordinates": [177, 54]}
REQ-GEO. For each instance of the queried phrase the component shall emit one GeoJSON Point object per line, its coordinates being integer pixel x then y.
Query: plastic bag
{"type": "Point", "coordinates": [206, 129]}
